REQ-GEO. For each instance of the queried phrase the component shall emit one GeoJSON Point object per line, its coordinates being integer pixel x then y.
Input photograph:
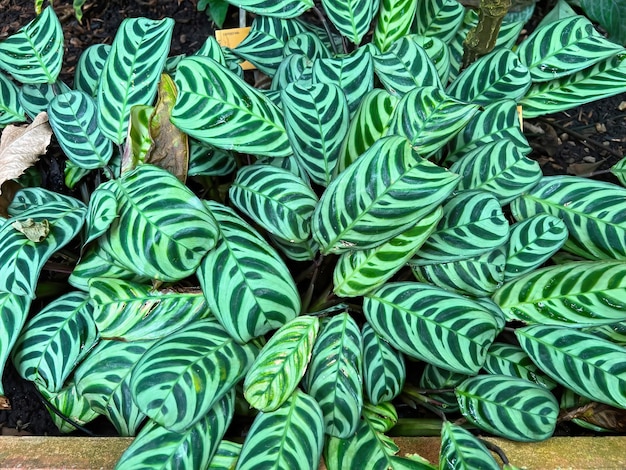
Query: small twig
{"type": "Point", "coordinates": [494, 448]}
{"type": "Point", "coordinates": [322, 18]}
{"type": "Point", "coordinates": [56, 411]}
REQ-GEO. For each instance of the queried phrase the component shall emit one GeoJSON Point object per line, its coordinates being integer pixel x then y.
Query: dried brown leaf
{"type": "Point", "coordinates": [21, 146]}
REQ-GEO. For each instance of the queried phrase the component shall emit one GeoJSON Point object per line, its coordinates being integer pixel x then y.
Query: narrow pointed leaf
{"type": "Point", "coordinates": [89, 68]}
{"type": "Point", "coordinates": [334, 377]}
{"type": "Point", "coordinates": [394, 22]}
{"type": "Point", "coordinates": [185, 374]}
{"type": "Point", "coordinates": [431, 324]}
{"type": "Point", "coordinates": [352, 18]}
{"type": "Point", "coordinates": [218, 108]}
{"type": "Point", "coordinates": [383, 184]}
{"type": "Point", "coordinates": [290, 437]}
{"type": "Point", "coordinates": [280, 366]}
{"type": "Point", "coordinates": [247, 285]}
{"type": "Point", "coordinates": [35, 53]}
{"type": "Point", "coordinates": [592, 367]}
{"type": "Point", "coordinates": [461, 450]}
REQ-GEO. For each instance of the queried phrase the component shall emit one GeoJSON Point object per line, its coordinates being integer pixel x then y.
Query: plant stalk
{"type": "Point", "coordinates": [482, 39]}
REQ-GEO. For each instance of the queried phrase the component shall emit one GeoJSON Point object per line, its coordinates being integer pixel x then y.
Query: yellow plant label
{"type": "Point", "coordinates": [231, 38]}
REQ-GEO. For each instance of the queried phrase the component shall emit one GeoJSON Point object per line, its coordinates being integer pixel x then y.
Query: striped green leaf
{"type": "Point", "coordinates": [206, 160]}
{"type": "Point", "coordinates": [358, 272]}
{"type": "Point", "coordinates": [286, 163]}
{"type": "Point", "coordinates": [494, 309]}
{"type": "Point", "coordinates": [510, 407]}
{"type": "Point", "coordinates": [98, 263]}
{"type": "Point", "coordinates": [438, 52]}
{"type": "Point", "coordinates": [478, 277]}
{"type": "Point", "coordinates": [603, 80]}
{"type": "Point", "coordinates": [280, 9]}
{"type": "Point", "coordinates": [158, 447]}
{"type": "Point", "coordinates": [384, 371]}
{"type": "Point", "coordinates": [497, 121]}
{"type": "Point", "coordinates": [394, 22]}
{"type": "Point", "coordinates": [71, 404]}
{"type": "Point", "coordinates": [134, 312]}
{"type": "Point", "coordinates": [294, 68]}
{"type": "Point", "coordinates": [163, 230]}
{"type": "Point", "coordinates": [373, 200]}
{"type": "Point", "coordinates": [429, 118]}
{"type": "Point", "coordinates": [13, 313]}
{"type": "Point", "coordinates": [220, 109]}
{"type": "Point", "coordinates": [131, 72]}
{"type": "Point", "coordinates": [353, 73]}
{"type": "Point", "coordinates": [381, 417]}
{"type": "Point", "coordinates": [369, 123]}
{"type": "Point", "coordinates": [35, 97]}
{"type": "Point", "coordinates": [334, 377]}
{"type": "Point", "coordinates": [317, 120]}
{"type": "Point", "coordinates": [308, 44]}
{"type": "Point", "coordinates": [89, 68]}
{"type": "Point", "coordinates": [139, 141]}
{"type": "Point", "coordinates": [264, 44]}
{"type": "Point", "coordinates": [300, 251]}
{"type": "Point", "coordinates": [495, 76]}
{"type": "Point", "coordinates": [619, 170]}
{"type": "Point", "coordinates": [405, 66]}
{"type": "Point", "coordinates": [55, 340]}
{"type": "Point", "coordinates": [35, 53]}
{"type": "Point", "coordinates": [290, 437]}
{"type": "Point", "coordinates": [103, 379]}
{"type": "Point", "coordinates": [564, 47]}
{"type": "Point", "coordinates": [592, 367]}
{"type": "Point", "coordinates": [431, 324]}
{"type": "Point", "coordinates": [369, 449]}
{"type": "Point", "coordinates": [73, 174]}
{"type": "Point", "coordinates": [73, 118]}
{"type": "Point", "coordinates": [247, 285]}
{"type": "Point", "coordinates": [472, 224]}
{"type": "Point", "coordinates": [178, 380]}
{"type": "Point", "coordinates": [23, 259]}
{"type": "Point", "coordinates": [511, 360]}
{"type": "Point", "coordinates": [576, 294]}
{"type": "Point", "coordinates": [226, 456]}
{"type": "Point", "coordinates": [352, 18]}
{"type": "Point", "coordinates": [102, 211]}
{"type": "Point", "coordinates": [461, 450]}
{"type": "Point", "coordinates": [615, 332]}
{"type": "Point", "coordinates": [10, 108]}
{"type": "Point", "coordinates": [436, 378]}
{"type": "Point", "coordinates": [498, 167]}
{"type": "Point", "coordinates": [439, 18]}
{"type": "Point", "coordinates": [531, 243]}
{"type": "Point", "coordinates": [275, 199]}
{"type": "Point", "coordinates": [280, 366]}
{"type": "Point", "coordinates": [591, 210]}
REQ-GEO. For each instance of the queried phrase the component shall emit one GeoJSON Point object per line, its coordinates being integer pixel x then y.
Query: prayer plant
{"type": "Point", "coordinates": [366, 233]}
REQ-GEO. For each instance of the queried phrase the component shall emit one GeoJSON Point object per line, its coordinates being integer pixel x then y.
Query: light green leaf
{"type": "Point", "coordinates": [394, 22]}
{"type": "Point", "coordinates": [352, 18]}
{"type": "Point", "coordinates": [511, 360]}
{"type": "Point", "coordinates": [276, 9]}
{"type": "Point", "coordinates": [10, 108]}
{"type": "Point", "coordinates": [13, 313]}
{"type": "Point", "coordinates": [461, 450]}
{"type": "Point", "coordinates": [90, 67]}
{"type": "Point", "coordinates": [439, 18]}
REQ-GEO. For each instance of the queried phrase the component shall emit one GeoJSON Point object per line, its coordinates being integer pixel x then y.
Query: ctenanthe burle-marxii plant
{"type": "Point", "coordinates": [358, 234]}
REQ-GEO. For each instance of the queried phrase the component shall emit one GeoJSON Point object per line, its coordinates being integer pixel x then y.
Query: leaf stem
{"type": "Point", "coordinates": [498, 450]}
{"type": "Point", "coordinates": [322, 18]}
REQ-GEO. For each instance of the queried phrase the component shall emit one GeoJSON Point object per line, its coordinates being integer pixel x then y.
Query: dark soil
{"type": "Point", "coordinates": [587, 140]}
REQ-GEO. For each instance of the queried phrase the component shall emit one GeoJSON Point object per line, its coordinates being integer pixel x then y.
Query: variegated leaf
{"type": "Point", "coordinates": [439, 18]}
{"type": "Point", "coordinates": [71, 404]}
{"type": "Point", "coordinates": [352, 18]}
{"type": "Point", "coordinates": [275, 9]}
{"type": "Point", "coordinates": [10, 108]}
{"type": "Point", "coordinates": [511, 360]}
{"type": "Point", "coordinates": [35, 97]}
{"type": "Point", "coordinates": [394, 22]}
{"type": "Point", "coordinates": [89, 68]}
{"type": "Point", "coordinates": [435, 378]}
{"type": "Point", "coordinates": [461, 450]}
{"type": "Point", "coordinates": [13, 314]}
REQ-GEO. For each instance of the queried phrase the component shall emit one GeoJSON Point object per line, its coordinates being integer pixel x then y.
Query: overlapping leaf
{"type": "Point", "coordinates": [55, 340]}
{"type": "Point", "coordinates": [226, 456]}
{"type": "Point", "coordinates": [334, 377]}
{"type": "Point", "coordinates": [352, 18]}
{"type": "Point", "coordinates": [185, 374]}
{"type": "Point", "coordinates": [438, 52]}
{"type": "Point", "coordinates": [207, 160]}
{"type": "Point", "coordinates": [496, 76]}
{"type": "Point", "coordinates": [301, 251]}
{"type": "Point", "coordinates": [431, 324]}
{"type": "Point", "coordinates": [307, 44]}
{"type": "Point", "coordinates": [429, 118]}
{"type": "Point", "coordinates": [290, 437]}
{"type": "Point", "coordinates": [384, 371]}
{"type": "Point", "coordinates": [73, 117]}
{"type": "Point", "coordinates": [531, 242]}
{"type": "Point", "coordinates": [89, 68]}
{"type": "Point", "coordinates": [158, 447]}
{"type": "Point", "coordinates": [498, 167]}
{"type": "Point", "coordinates": [591, 366]}
{"type": "Point", "coordinates": [131, 72]}
{"type": "Point", "coordinates": [103, 379]}
{"type": "Point", "coordinates": [576, 294]}
{"type": "Point", "coordinates": [461, 450]}
{"type": "Point", "coordinates": [280, 9]}
{"type": "Point", "coordinates": [394, 22]}
{"type": "Point", "coordinates": [374, 199]}
{"type": "Point", "coordinates": [405, 66]}
{"type": "Point", "coordinates": [593, 212]}
{"type": "Point", "coordinates": [71, 404]}
{"type": "Point", "coordinates": [23, 259]}
{"type": "Point", "coordinates": [35, 53]}
{"type": "Point", "coordinates": [564, 47]}
{"type": "Point", "coordinates": [436, 378]}
{"type": "Point", "coordinates": [247, 285]}
{"type": "Point", "coordinates": [472, 224]}
{"type": "Point", "coordinates": [511, 360]}
{"type": "Point", "coordinates": [439, 18]}
{"type": "Point", "coordinates": [616, 332]}
{"type": "Point", "coordinates": [10, 108]}
{"type": "Point", "coordinates": [219, 108]}
{"type": "Point", "coordinates": [358, 272]}
{"type": "Point", "coordinates": [102, 211]}
{"type": "Point", "coordinates": [13, 313]}
{"type": "Point", "coordinates": [35, 97]}
{"type": "Point", "coordinates": [280, 366]}
{"type": "Point", "coordinates": [163, 230]}
{"type": "Point", "coordinates": [317, 120]}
